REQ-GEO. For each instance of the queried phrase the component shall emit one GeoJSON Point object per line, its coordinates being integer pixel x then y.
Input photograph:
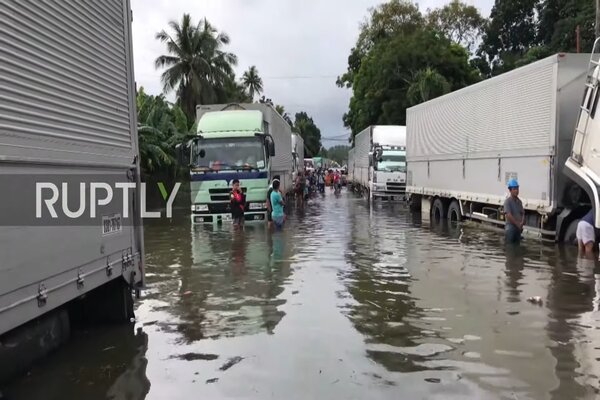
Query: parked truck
{"type": "Point", "coordinates": [248, 142]}
{"type": "Point", "coordinates": [380, 161]}
{"type": "Point", "coordinates": [464, 147]}
{"type": "Point", "coordinates": [67, 114]}
{"type": "Point", "coordinates": [350, 172]}
{"type": "Point", "coordinates": [297, 155]}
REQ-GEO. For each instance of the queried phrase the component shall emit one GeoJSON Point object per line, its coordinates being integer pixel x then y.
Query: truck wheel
{"type": "Point", "coordinates": [570, 236]}
{"type": "Point", "coordinates": [454, 214]}
{"type": "Point", "coordinates": [438, 211]}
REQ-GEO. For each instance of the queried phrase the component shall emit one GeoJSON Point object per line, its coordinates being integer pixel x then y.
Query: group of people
{"type": "Point", "coordinates": [306, 184]}
{"type": "Point", "coordinates": [275, 204]}
{"type": "Point", "coordinates": [309, 183]}
{"type": "Point", "coordinates": [515, 222]}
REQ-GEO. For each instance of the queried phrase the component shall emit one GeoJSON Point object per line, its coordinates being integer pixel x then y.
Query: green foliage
{"type": "Point", "coordinates": [252, 82]}
{"type": "Point", "coordinates": [426, 84]}
{"type": "Point", "coordinates": [281, 110]}
{"type": "Point", "coordinates": [198, 68]}
{"type": "Point", "coordinates": [338, 154]}
{"type": "Point", "coordinates": [310, 133]}
{"type": "Point", "coordinates": [461, 23]}
{"type": "Point", "coordinates": [424, 60]}
{"type": "Point", "coordinates": [403, 57]}
{"type": "Point", "coordinates": [161, 126]}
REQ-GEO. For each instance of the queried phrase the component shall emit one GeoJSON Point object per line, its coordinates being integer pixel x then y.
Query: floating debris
{"type": "Point", "coordinates": [231, 362]}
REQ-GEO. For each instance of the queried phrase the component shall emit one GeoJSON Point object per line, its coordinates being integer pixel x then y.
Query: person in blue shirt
{"type": "Point", "coordinates": [586, 234]}
{"type": "Point", "coordinates": [277, 204]}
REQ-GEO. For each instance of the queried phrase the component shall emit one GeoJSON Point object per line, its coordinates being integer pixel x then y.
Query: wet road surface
{"type": "Point", "coordinates": [348, 302]}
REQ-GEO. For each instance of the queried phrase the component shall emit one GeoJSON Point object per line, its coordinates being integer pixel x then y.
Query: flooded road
{"type": "Point", "coordinates": [348, 302]}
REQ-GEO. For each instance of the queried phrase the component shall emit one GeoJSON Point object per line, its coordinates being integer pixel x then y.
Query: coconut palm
{"type": "Point", "coordinates": [252, 82]}
{"type": "Point", "coordinates": [427, 84]}
{"type": "Point", "coordinates": [197, 66]}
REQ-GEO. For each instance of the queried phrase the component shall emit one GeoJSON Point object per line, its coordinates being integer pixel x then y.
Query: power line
{"type": "Point", "coordinates": [301, 77]}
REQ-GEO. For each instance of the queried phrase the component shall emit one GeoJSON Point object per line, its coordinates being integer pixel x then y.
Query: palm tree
{"type": "Point", "coordinates": [281, 110]}
{"type": "Point", "coordinates": [425, 85]}
{"type": "Point", "coordinates": [252, 82]}
{"type": "Point", "coordinates": [197, 66]}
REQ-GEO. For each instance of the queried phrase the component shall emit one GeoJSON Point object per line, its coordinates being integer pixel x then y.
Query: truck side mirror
{"type": "Point", "coordinates": [182, 151]}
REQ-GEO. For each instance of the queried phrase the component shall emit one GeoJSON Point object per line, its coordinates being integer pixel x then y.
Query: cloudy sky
{"type": "Point", "coordinates": [298, 46]}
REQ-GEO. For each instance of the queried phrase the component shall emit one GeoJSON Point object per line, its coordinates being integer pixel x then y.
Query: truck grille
{"type": "Point", "coordinates": [219, 208]}
{"type": "Point", "coordinates": [395, 187]}
{"type": "Point", "coordinates": [221, 194]}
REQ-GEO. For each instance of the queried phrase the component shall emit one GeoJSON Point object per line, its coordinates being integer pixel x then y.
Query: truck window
{"type": "Point", "coordinates": [229, 154]}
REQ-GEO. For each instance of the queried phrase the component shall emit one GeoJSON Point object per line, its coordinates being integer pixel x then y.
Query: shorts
{"type": "Point", "coordinates": [278, 221]}
{"type": "Point", "coordinates": [238, 220]}
{"type": "Point", "coordinates": [585, 232]}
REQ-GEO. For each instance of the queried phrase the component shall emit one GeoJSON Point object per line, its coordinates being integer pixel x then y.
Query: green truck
{"type": "Point", "coordinates": [249, 142]}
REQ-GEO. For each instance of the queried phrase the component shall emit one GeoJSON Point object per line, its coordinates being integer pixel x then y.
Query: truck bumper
{"type": "Point", "coordinates": [208, 218]}
{"type": "Point", "coordinates": [389, 190]}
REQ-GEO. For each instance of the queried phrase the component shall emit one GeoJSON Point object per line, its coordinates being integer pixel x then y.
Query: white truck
{"type": "Point", "coordinates": [462, 148]}
{"type": "Point", "coordinates": [297, 155]}
{"type": "Point", "coordinates": [351, 181]}
{"type": "Point", "coordinates": [67, 115]}
{"type": "Point", "coordinates": [380, 161]}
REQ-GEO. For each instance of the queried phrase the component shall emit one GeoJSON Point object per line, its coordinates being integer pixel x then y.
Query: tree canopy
{"type": "Point", "coordinates": [403, 57]}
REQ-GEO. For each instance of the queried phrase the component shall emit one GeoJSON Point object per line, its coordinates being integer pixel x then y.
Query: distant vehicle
{"type": "Point", "coordinates": [249, 142]}
{"type": "Point", "coordinates": [67, 113]}
{"type": "Point", "coordinates": [465, 146]}
{"type": "Point", "coordinates": [379, 161]}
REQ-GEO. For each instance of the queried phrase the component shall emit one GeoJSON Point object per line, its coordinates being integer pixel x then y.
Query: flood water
{"type": "Point", "coordinates": [348, 302]}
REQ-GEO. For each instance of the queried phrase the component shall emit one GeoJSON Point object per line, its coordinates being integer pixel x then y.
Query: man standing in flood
{"type": "Point", "coordinates": [515, 214]}
{"type": "Point", "coordinates": [586, 234]}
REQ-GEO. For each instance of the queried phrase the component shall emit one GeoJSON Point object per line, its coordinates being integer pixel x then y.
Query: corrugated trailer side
{"type": "Point", "coordinates": [466, 145]}
{"type": "Point", "coordinates": [67, 108]}
{"type": "Point", "coordinates": [362, 146]}
{"type": "Point", "coordinates": [281, 131]}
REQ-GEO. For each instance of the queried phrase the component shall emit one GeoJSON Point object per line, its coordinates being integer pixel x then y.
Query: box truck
{"type": "Point", "coordinates": [67, 115]}
{"type": "Point", "coordinates": [248, 142]}
{"type": "Point", "coordinates": [380, 161]}
{"type": "Point", "coordinates": [463, 148]}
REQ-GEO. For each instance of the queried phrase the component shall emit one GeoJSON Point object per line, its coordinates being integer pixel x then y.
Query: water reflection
{"type": "Point", "coordinates": [350, 300]}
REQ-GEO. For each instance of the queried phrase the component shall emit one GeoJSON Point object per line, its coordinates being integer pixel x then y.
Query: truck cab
{"type": "Point", "coordinates": [389, 171]}
{"type": "Point", "coordinates": [583, 164]}
{"type": "Point", "coordinates": [229, 145]}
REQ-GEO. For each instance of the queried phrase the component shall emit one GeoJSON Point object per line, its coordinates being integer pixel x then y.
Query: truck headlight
{"type": "Point", "coordinates": [201, 207]}
{"type": "Point", "coordinates": [258, 206]}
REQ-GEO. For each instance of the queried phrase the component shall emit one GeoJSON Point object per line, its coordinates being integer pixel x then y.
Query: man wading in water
{"type": "Point", "coordinates": [515, 214]}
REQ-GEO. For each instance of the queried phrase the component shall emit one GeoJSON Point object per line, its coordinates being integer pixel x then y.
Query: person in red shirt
{"type": "Point", "coordinates": [238, 204]}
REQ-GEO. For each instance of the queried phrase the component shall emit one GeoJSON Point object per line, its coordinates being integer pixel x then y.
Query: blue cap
{"type": "Point", "coordinates": [512, 183]}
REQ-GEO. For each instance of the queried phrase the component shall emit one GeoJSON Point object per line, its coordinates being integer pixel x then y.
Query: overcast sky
{"type": "Point", "coordinates": [298, 46]}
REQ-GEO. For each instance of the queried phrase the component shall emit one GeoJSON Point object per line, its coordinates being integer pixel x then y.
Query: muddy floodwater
{"type": "Point", "coordinates": [348, 302]}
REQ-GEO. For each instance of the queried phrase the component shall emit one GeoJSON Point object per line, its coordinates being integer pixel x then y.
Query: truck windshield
{"type": "Point", "coordinates": [392, 162]}
{"type": "Point", "coordinates": [229, 154]}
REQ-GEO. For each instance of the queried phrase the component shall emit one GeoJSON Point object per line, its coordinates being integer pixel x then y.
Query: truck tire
{"type": "Point", "coordinates": [454, 214]}
{"type": "Point", "coordinates": [414, 203]}
{"type": "Point", "coordinates": [570, 236]}
{"type": "Point", "coordinates": [438, 210]}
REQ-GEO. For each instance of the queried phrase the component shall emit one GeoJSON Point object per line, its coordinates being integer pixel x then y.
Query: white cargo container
{"type": "Point", "coordinates": [351, 179]}
{"type": "Point", "coordinates": [380, 161]}
{"type": "Point", "coordinates": [67, 109]}
{"type": "Point", "coordinates": [464, 147]}
{"type": "Point", "coordinates": [297, 154]}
